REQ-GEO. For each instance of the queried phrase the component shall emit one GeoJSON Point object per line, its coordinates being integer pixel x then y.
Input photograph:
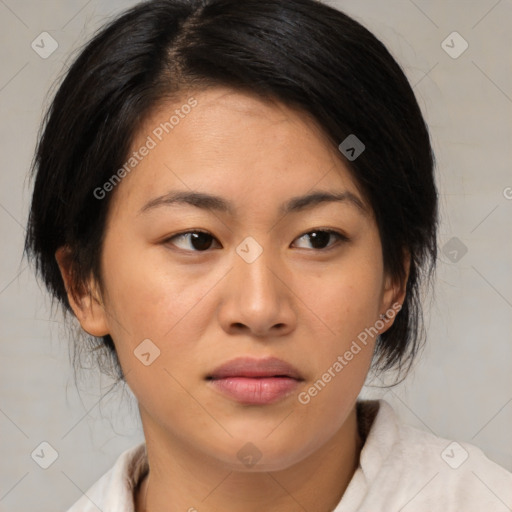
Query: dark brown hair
{"type": "Point", "coordinates": [300, 52]}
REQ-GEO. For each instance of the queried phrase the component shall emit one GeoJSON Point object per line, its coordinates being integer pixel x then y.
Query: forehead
{"type": "Point", "coordinates": [233, 144]}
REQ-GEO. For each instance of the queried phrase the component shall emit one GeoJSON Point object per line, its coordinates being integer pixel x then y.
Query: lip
{"type": "Point", "coordinates": [255, 381]}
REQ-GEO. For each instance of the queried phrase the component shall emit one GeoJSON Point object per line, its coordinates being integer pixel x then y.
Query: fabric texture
{"type": "Point", "coordinates": [401, 468]}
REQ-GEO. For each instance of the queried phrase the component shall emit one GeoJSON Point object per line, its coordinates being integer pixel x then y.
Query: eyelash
{"type": "Point", "coordinates": [340, 236]}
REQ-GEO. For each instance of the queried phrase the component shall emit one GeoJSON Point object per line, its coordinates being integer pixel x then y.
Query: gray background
{"type": "Point", "coordinates": [462, 387]}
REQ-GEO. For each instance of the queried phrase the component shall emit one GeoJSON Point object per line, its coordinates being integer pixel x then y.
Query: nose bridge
{"type": "Point", "coordinates": [255, 268]}
{"type": "Point", "coordinates": [256, 297]}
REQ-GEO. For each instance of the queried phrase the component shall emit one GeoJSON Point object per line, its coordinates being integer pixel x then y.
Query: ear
{"type": "Point", "coordinates": [84, 298]}
{"type": "Point", "coordinates": [393, 295]}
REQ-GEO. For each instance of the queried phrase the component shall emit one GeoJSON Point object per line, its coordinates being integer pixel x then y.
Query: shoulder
{"type": "Point", "coordinates": [113, 492]}
{"type": "Point", "coordinates": [414, 470]}
{"type": "Point", "coordinates": [458, 472]}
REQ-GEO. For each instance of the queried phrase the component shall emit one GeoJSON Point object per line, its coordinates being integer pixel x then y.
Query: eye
{"type": "Point", "coordinates": [319, 238]}
{"type": "Point", "coordinates": [201, 241]}
{"type": "Point", "coordinates": [197, 241]}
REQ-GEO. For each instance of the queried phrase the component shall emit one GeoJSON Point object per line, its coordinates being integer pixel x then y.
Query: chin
{"type": "Point", "coordinates": [259, 455]}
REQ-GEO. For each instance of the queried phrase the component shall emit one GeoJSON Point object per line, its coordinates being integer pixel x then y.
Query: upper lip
{"type": "Point", "coordinates": [252, 367]}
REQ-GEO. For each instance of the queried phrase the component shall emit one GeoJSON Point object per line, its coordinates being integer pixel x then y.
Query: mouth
{"type": "Point", "coordinates": [255, 381]}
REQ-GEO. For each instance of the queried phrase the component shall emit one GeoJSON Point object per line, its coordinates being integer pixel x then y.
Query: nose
{"type": "Point", "coordinates": [257, 299]}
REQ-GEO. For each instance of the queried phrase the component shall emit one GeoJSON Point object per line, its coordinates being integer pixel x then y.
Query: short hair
{"type": "Point", "coordinates": [302, 53]}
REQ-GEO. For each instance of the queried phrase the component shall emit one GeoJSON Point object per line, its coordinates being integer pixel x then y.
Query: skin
{"type": "Point", "coordinates": [296, 302]}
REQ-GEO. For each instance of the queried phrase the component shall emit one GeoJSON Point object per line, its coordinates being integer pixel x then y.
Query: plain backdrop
{"type": "Point", "coordinates": [461, 389]}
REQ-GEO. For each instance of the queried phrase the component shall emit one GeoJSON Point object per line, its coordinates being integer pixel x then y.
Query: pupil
{"type": "Point", "coordinates": [201, 241]}
{"type": "Point", "coordinates": [319, 239]}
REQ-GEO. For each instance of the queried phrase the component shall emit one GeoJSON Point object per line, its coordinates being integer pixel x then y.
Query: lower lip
{"type": "Point", "coordinates": [255, 391]}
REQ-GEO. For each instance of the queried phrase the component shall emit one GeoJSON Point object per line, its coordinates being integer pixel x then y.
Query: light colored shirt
{"type": "Point", "coordinates": [401, 468]}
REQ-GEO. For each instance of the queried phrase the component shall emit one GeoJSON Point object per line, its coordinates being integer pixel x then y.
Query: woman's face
{"type": "Point", "coordinates": [264, 280]}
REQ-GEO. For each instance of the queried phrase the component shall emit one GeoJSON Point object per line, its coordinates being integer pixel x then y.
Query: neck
{"type": "Point", "coordinates": [183, 481]}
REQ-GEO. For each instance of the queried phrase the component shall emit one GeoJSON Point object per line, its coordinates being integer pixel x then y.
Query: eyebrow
{"type": "Point", "coordinates": [215, 203]}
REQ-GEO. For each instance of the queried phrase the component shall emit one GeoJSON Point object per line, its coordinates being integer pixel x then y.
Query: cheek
{"type": "Point", "coordinates": [153, 300]}
{"type": "Point", "coordinates": [148, 295]}
{"type": "Point", "coordinates": [349, 299]}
